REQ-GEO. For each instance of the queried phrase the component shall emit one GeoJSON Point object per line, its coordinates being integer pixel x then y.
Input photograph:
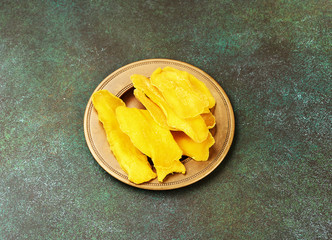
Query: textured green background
{"type": "Point", "coordinates": [273, 59]}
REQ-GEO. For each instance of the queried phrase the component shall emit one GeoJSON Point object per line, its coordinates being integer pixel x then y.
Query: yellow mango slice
{"type": "Point", "coordinates": [131, 160]}
{"type": "Point", "coordinates": [209, 119]}
{"type": "Point", "coordinates": [155, 111]}
{"type": "Point", "coordinates": [197, 151]}
{"type": "Point", "coordinates": [197, 86]}
{"type": "Point", "coordinates": [178, 92]}
{"type": "Point", "coordinates": [152, 140]}
{"type": "Point", "coordinates": [194, 127]}
{"type": "Point", "coordinates": [159, 116]}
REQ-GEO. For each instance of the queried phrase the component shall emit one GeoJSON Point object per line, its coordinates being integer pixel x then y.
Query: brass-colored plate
{"type": "Point", "coordinates": [120, 85]}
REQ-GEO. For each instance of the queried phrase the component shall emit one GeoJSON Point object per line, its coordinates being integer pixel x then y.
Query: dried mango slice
{"type": "Point", "coordinates": [197, 151]}
{"type": "Point", "coordinates": [179, 93]}
{"type": "Point", "coordinates": [160, 117]}
{"type": "Point", "coordinates": [131, 160]}
{"type": "Point", "coordinates": [194, 127]}
{"type": "Point", "coordinates": [200, 87]}
{"type": "Point", "coordinates": [152, 140]}
{"type": "Point", "coordinates": [155, 111]}
{"type": "Point", "coordinates": [197, 86]}
{"type": "Point", "coordinates": [209, 119]}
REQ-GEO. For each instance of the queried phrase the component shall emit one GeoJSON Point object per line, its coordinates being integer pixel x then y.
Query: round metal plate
{"type": "Point", "coordinates": [120, 85]}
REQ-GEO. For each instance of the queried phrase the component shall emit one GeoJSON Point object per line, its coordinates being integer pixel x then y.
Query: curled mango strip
{"type": "Point", "coordinates": [155, 111]}
{"type": "Point", "coordinates": [152, 140]}
{"type": "Point", "coordinates": [179, 93]}
{"type": "Point", "coordinates": [131, 160]}
{"type": "Point", "coordinates": [197, 151]}
{"type": "Point", "coordinates": [194, 127]}
{"type": "Point", "coordinates": [209, 119]}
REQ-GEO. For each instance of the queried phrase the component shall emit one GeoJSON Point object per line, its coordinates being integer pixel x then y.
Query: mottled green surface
{"type": "Point", "coordinates": [273, 58]}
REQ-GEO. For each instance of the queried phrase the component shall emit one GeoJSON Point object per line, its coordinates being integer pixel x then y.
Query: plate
{"type": "Point", "coordinates": [120, 85]}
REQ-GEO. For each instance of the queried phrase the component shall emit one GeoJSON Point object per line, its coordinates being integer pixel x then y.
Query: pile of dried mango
{"type": "Point", "coordinates": [176, 122]}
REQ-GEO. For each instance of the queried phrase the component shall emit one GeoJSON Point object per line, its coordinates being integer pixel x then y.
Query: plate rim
{"type": "Point", "coordinates": [160, 186]}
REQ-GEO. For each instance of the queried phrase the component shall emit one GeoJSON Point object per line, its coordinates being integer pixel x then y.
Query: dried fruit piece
{"type": "Point", "coordinates": [131, 160]}
{"type": "Point", "coordinates": [197, 86]}
{"type": "Point", "coordinates": [209, 119]}
{"type": "Point", "coordinates": [179, 93]}
{"type": "Point", "coordinates": [200, 87]}
{"type": "Point", "coordinates": [152, 140]}
{"type": "Point", "coordinates": [194, 127]}
{"type": "Point", "coordinates": [197, 151]}
{"type": "Point", "coordinates": [153, 108]}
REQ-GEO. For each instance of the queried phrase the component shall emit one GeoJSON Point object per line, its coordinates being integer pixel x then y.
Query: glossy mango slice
{"type": "Point", "coordinates": [177, 90]}
{"type": "Point", "coordinates": [197, 151]}
{"type": "Point", "coordinates": [152, 140]}
{"type": "Point", "coordinates": [131, 160]}
{"type": "Point", "coordinates": [194, 127]}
